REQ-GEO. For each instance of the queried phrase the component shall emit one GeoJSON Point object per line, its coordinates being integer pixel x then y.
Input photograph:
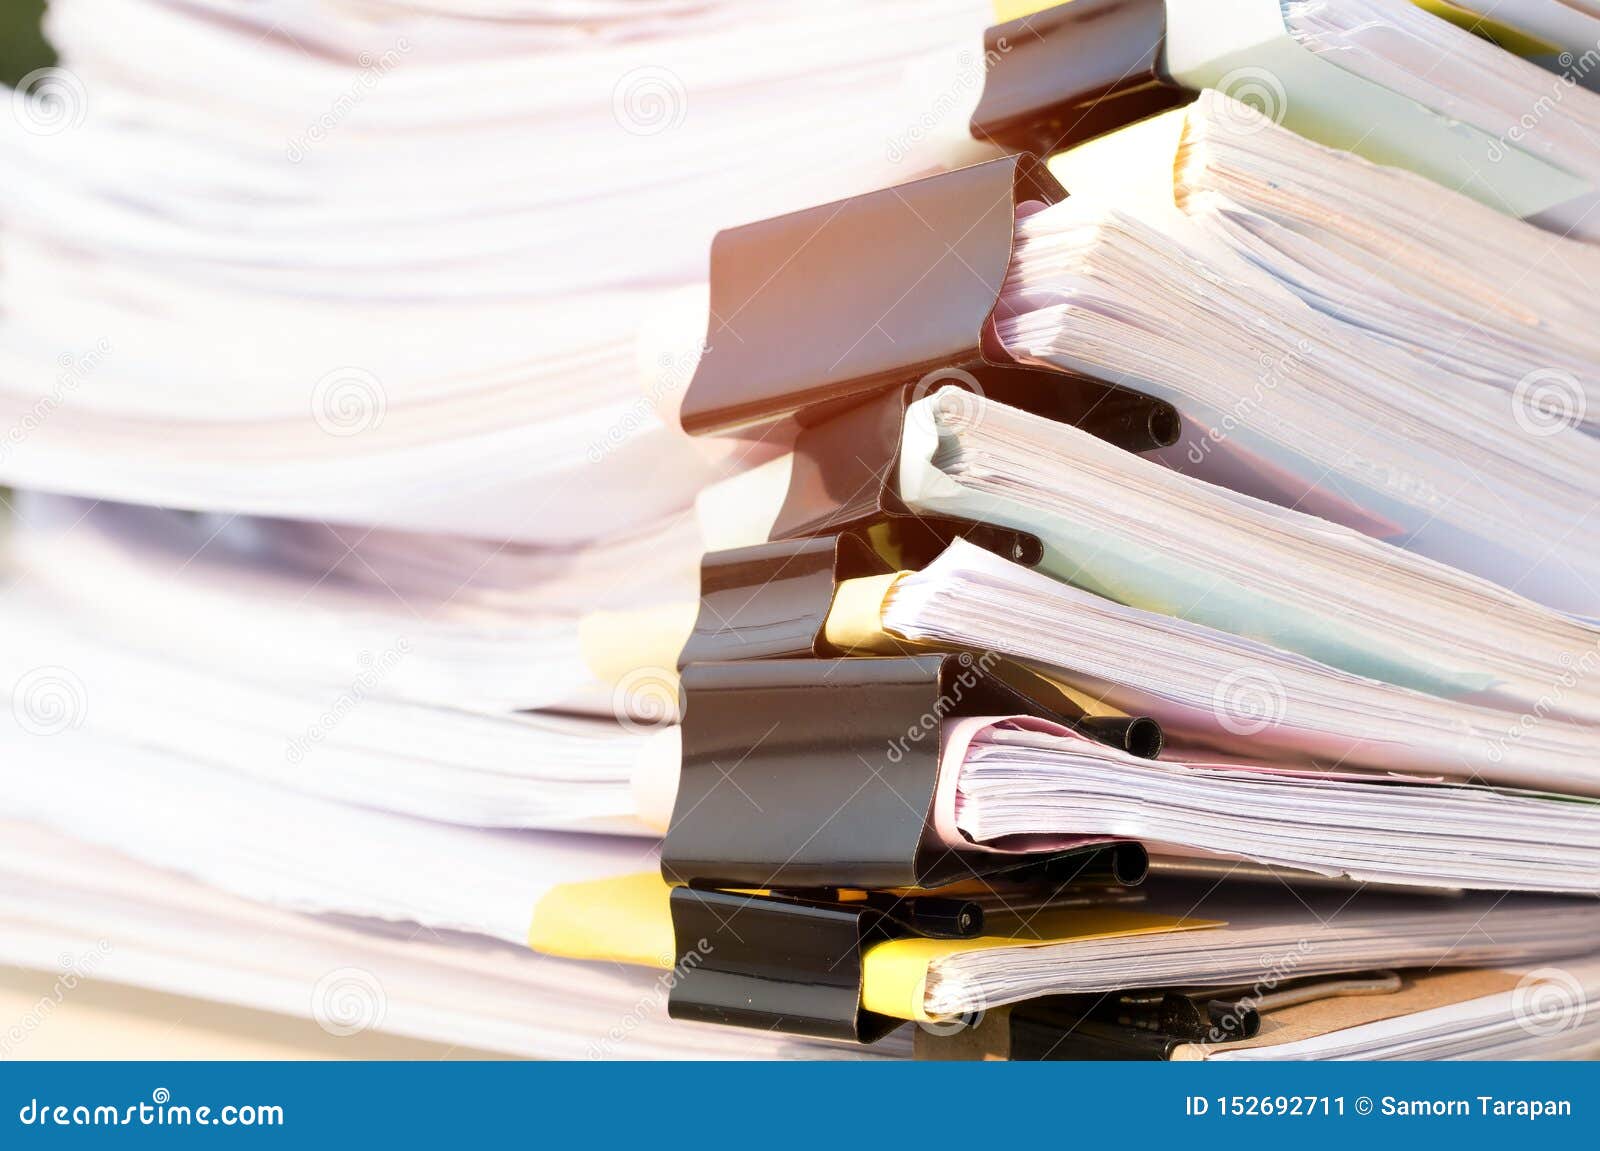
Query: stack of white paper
{"type": "Point", "coordinates": [1274, 389]}
{"type": "Point", "coordinates": [1141, 534]}
{"type": "Point", "coordinates": [1217, 692]}
{"type": "Point", "coordinates": [1505, 1025]}
{"type": "Point", "coordinates": [436, 620]}
{"type": "Point", "coordinates": [1031, 784]}
{"type": "Point", "coordinates": [1457, 74]}
{"type": "Point", "coordinates": [1475, 294]}
{"type": "Point", "coordinates": [1316, 933]}
{"type": "Point", "coordinates": [91, 914]}
{"type": "Point", "coordinates": [420, 268]}
{"type": "Point", "coordinates": [289, 848]}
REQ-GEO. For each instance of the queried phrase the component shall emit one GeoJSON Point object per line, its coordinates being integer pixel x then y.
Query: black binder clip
{"type": "Point", "coordinates": [833, 320]}
{"type": "Point", "coordinates": [807, 774]}
{"type": "Point", "coordinates": [773, 600]}
{"type": "Point", "coordinates": [1148, 1024]}
{"type": "Point", "coordinates": [792, 964]}
{"type": "Point", "coordinates": [1120, 1026]}
{"type": "Point", "coordinates": [845, 470]}
{"type": "Point", "coordinates": [796, 962]}
{"type": "Point", "coordinates": [1073, 72]}
{"type": "Point", "coordinates": [819, 310]}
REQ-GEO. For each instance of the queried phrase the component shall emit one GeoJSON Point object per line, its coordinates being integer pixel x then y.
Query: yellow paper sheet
{"type": "Point", "coordinates": [1497, 32]}
{"type": "Point", "coordinates": [629, 920]}
{"type": "Point", "coordinates": [896, 973]}
{"type": "Point", "coordinates": [626, 919]}
{"type": "Point", "coordinates": [855, 621]}
{"type": "Point", "coordinates": [1008, 10]}
{"type": "Point", "coordinates": [617, 644]}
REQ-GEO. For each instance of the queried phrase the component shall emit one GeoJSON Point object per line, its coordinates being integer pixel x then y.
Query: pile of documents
{"type": "Point", "coordinates": [923, 529]}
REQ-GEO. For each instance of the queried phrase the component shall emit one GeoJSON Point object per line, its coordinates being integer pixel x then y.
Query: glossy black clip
{"type": "Point", "coordinates": [772, 600]}
{"type": "Point", "coordinates": [1073, 72]}
{"type": "Point", "coordinates": [819, 310]}
{"type": "Point", "coordinates": [1121, 1026]}
{"type": "Point", "coordinates": [783, 963]}
{"type": "Point", "coordinates": [845, 470]}
{"type": "Point", "coordinates": [806, 774]}
{"type": "Point", "coordinates": [796, 963]}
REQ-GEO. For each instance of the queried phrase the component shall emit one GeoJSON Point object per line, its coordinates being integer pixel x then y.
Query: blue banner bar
{"type": "Point", "coordinates": [657, 1107]}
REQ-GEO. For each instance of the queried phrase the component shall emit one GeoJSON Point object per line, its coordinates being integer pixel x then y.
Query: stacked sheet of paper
{"type": "Point", "coordinates": [418, 267]}
{"type": "Point", "coordinates": [90, 914]}
{"type": "Point", "coordinates": [1462, 76]}
{"type": "Point", "coordinates": [1453, 285]}
{"type": "Point", "coordinates": [1302, 403]}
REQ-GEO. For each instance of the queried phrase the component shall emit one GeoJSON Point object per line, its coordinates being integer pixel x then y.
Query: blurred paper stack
{"type": "Point", "coordinates": [384, 313]}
